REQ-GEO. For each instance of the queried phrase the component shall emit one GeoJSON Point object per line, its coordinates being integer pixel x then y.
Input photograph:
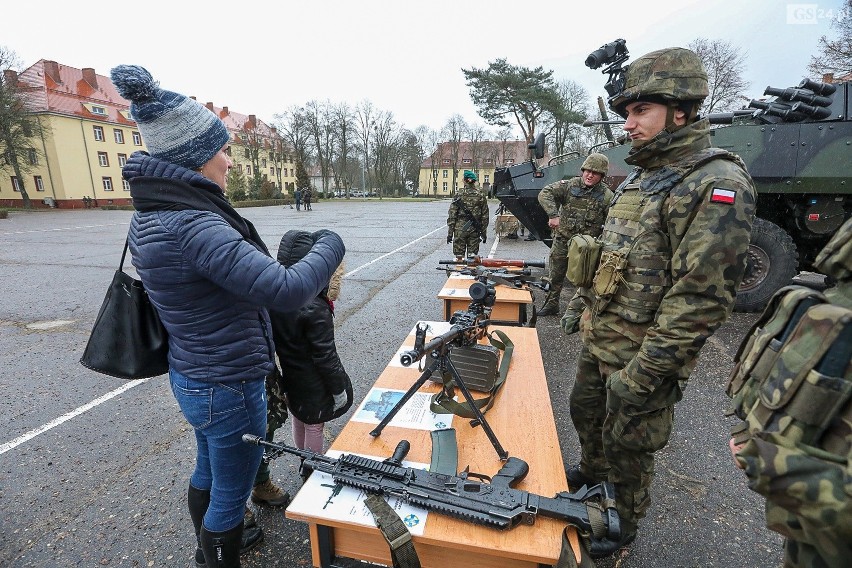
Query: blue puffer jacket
{"type": "Point", "coordinates": [211, 288]}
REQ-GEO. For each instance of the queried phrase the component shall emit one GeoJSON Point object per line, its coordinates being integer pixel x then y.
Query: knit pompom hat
{"type": "Point", "coordinates": [175, 128]}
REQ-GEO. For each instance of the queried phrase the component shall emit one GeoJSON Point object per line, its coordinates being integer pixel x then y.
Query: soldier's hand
{"type": "Point", "coordinates": [449, 239]}
{"type": "Point", "coordinates": [484, 238]}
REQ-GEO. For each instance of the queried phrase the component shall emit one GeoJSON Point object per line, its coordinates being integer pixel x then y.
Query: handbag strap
{"type": "Point", "coordinates": [124, 253]}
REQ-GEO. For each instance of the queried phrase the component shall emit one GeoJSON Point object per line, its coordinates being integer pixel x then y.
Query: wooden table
{"type": "Point", "coordinates": [510, 304]}
{"type": "Point", "coordinates": [522, 420]}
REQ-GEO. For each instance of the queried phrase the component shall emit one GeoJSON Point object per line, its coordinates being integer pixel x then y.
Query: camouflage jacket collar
{"type": "Point", "coordinates": [669, 147]}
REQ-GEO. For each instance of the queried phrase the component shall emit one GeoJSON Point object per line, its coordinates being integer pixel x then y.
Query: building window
{"type": "Point", "coordinates": [272, 156]}
{"type": "Point", "coordinates": [125, 185]}
{"type": "Point", "coordinates": [445, 187]}
{"type": "Point", "coordinates": [99, 133]}
{"type": "Point", "coordinates": [272, 171]}
{"type": "Point", "coordinates": [292, 172]}
{"type": "Point", "coordinates": [122, 159]}
{"type": "Point", "coordinates": [248, 169]}
{"type": "Point", "coordinates": [446, 174]}
{"type": "Point", "coordinates": [137, 139]}
{"type": "Point", "coordinates": [247, 154]}
{"type": "Point", "coordinates": [39, 183]}
{"type": "Point", "coordinates": [32, 156]}
{"type": "Point", "coordinates": [510, 162]}
{"type": "Point", "coordinates": [488, 161]}
{"type": "Point", "coordinates": [103, 159]}
{"type": "Point", "coordinates": [119, 136]}
{"type": "Point", "coordinates": [263, 162]}
{"type": "Point", "coordinates": [465, 160]}
{"type": "Point", "coordinates": [16, 185]}
{"type": "Point", "coordinates": [240, 168]}
{"type": "Point", "coordinates": [486, 178]}
{"type": "Point", "coordinates": [228, 150]}
{"type": "Point", "coordinates": [445, 162]}
{"type": "Point", "coordinates": [99, 110]}
{"type": "Point", "coordinates": [107, 181]}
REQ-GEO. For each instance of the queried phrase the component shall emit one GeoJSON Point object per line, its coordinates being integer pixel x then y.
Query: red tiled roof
{"type": "Point", "coordinates": [54, 87]}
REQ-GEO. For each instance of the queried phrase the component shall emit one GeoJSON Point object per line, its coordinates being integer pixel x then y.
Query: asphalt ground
{"type": "Point", "coordinates": [93, 470]}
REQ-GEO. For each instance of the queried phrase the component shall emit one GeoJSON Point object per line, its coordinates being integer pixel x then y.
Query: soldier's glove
{"type": "Point", "coordinates": [484, 238]}
{"type": "Point", "coordinates": [449, 239]}
{"type": "Point", "coordinates": [619, 393]}
{"type": "Point", "coordinates": [339, 400]}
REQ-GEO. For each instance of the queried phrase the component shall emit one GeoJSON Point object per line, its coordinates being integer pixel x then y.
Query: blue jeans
{"type": "Point", "coordinates": [220, 413]}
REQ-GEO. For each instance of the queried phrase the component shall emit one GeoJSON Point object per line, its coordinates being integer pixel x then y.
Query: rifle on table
{"type": "Point", "coordinates": [512, 279]}
{"type": "Point", "coordinates": [495, 263]}
{"type": "Point", "coordinates": [492, 502]}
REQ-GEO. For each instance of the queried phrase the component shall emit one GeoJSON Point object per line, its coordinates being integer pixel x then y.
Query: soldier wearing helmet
{"type": "Point", "coordinates": [673, 251]}
{"type": "Point", "coordinates": [574, 206]}
{"type": "Point", "coordinates": [794, 437]}
{"type": "Point", "coordinates": [467, 220]}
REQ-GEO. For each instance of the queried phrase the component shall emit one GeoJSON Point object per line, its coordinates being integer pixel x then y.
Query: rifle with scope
{"type": "Point", "coordinates": [493, 502]}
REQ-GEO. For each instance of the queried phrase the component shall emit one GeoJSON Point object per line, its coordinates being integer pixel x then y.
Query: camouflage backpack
{"type": "Point", "coordinates": [792, 373]}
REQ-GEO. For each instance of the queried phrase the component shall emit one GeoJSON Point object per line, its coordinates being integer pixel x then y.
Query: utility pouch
{"type": "Point", "coordinates": [584, 252]}
{"type": "Point", "coordinates": [608, 274]}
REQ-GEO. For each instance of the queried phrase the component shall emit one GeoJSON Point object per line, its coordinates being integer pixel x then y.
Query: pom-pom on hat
{"type": "Point", "coordinates": [175, 128]}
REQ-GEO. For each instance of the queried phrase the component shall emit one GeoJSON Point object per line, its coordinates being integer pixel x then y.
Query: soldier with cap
{"type": "Point", "coordinates": [672, 253]}
{"type": "Point", "coordinates": [574, 206]}
{"type": "Point", "coordinates": [792, 390]}
{"type": "Point", "coordinates": [467, 219]}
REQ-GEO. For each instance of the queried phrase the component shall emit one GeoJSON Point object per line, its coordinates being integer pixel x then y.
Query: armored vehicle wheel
{"type": "Point", "coordinates": [772, 262]}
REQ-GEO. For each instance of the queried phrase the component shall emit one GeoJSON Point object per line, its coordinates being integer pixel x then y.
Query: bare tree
{"type": "Point", "coordinates": [386, 133]}
{"type": "Point", "coordinates": [365, 116]}
{"type": "Point", "coordinates": [253, 143]}
{"type": "Point", "coordinates": [454, 132]}
{"type": "Point", "coordinates": [561, 124]}
{"type": "Point", "coordinates": [343, 124]}
{"type": "Point", "coordinates": [293, 126]}
{"type": "Point", "coordinates": [18, 127]}
{"type": "Point", "coordinates": [835, 56]}
{"type": "Point", "coordinates": [322, 135]}
{"type": "Point", "coordinates": [725, 65]}
{"type": "Point", "coordinates": [428, 139]}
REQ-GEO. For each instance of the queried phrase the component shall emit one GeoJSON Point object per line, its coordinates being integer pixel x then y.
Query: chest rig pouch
{"type": "Point", "coordinates": [792, 372]}
{"type": "Point", "coordinates": [584, 253]}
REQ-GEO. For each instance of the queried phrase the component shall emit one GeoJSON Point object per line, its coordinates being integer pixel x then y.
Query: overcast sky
{"type": "Point", "coordinates": [405, 56]}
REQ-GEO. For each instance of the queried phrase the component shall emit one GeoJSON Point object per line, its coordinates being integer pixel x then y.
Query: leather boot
{"type": "Point", "coordinates": [549, 309]}
{"type": "Point", "coordinates": [576, 478]}
{"type": "Point", "coordinates": [222, 549]}
{"type": "Point", "coordinates": [198, 501]}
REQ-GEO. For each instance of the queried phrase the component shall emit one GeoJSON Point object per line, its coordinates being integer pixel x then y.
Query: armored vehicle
{"type": "Point", "coordinates": [797, 145]}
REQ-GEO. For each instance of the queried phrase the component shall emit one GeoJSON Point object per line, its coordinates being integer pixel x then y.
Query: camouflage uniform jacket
{"type": "Point", "coordinates": [476, 203]}
{"type": "Point", "coordinates": [792, 390]}
{"type": "Point", "coordinates": [581, 210]}
{"type": "Point", "coordinates": [683, 223]}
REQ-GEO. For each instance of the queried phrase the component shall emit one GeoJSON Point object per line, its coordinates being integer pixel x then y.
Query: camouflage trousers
{"type": "Point", "coordinates": [558, 262]}
{"type": "Point", "coordinates": [466, 243]}
{"type": "Point", "coordinates": [617, 444]}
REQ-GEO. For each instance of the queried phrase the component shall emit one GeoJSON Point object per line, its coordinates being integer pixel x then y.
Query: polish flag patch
{"type": "Point", "coordinates": [720, 195]}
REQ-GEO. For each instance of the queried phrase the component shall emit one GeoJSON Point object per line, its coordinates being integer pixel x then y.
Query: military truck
{"type": "Point", "coordinates": [797, 145]}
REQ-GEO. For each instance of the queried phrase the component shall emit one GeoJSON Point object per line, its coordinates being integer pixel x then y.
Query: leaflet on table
{"type": "Point", "coordinates": [321, 497]}
{"type": "Point", "coordinates": [414, 414]}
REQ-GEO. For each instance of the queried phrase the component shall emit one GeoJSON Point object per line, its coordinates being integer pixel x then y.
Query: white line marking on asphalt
{"type": "Point", "coordinates": [387, 254]}
{"type": "Point", "coordinates": [68, 416]}
{"type": "Point", "coordinates": [60, 229]}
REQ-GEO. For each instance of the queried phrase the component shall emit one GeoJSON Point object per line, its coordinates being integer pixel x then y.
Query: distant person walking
{"type": "Point", "coordinates": [308, 196]}
{"type": "Point", "coordinates": [298, 196]}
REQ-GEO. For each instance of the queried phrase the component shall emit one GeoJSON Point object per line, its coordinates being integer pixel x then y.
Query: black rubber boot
{"type": "Point", "coordinates": [577, 479]}
{"type": "Point", "coordinates": [222, 549]}
{"type": "Point", "coordinates": [198, 501]}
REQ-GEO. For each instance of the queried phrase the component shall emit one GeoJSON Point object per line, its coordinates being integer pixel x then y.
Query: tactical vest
{"type": "Point", "coordinates": [793, 375]}
{"type": "Point", "coordinates": [634, 272]}
{"type": "Point", "coordinates": [584, 212]}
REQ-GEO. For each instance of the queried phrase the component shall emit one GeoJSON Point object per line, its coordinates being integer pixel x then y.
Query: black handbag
{"type": "Point", "coordinates": [128, 340]}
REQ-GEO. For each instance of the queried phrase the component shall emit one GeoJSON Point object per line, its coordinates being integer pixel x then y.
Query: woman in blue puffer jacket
{"type": "Point", "coordinates": [211, 279]}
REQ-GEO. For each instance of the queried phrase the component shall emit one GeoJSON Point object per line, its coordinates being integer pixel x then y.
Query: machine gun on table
{"type": "Point", "coordinates": [512, 273]}
{"type": "Point", "coordinates": [492, 502]}
{"type": "Point", "coordinates": [466, 329]}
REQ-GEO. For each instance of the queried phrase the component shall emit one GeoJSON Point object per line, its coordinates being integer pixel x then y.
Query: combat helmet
{"type": "Point", "coordinates": [597, 163]}
{"type": "Point", "coordinates": [668, 76]}
{"type": "Point", "coordinates": [469, 176]}
{"type": "Point", "coordinates": [835, 259]}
